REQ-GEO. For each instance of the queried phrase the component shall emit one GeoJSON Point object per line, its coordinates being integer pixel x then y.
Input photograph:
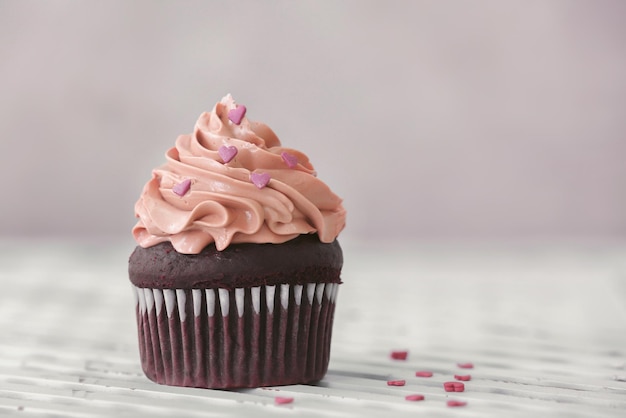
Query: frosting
{"type": "Point", "coordinates": [231, 181]}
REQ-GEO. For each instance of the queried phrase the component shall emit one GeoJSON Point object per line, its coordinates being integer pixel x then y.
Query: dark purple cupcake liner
{"type": "Point", "coordinates": [245, 337]}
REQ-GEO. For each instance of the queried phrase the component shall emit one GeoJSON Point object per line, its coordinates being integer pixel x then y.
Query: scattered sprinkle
{"type": "Point", "coordinates": [465, 365]}
{"type": "Point", "coordinates": [289, 159]}
{"type": "Point", "coordinates": [414, 397]}
{"type": "Point", "coordinates": [399, 355]}
{"type": "Point", "coordinates": [396, 382]}
{"type": "Point", "coordinates": [236, 115]}
{"type": "Point", "coordinates": [227, 153]}
{"type": "Point", "coordinates": [463, 377]}
{"type": "Point", "coordinates": [281, 400]}
{"type": "Point", "coordinates": [424, 373]}
{"type": "Point", "coordinates": [454, 387]}
{"type": "Point", "coordinates": [260, 180]}
{"type": "Point", "coordinates": [454, 403]}
{"type": "Point", "coordinates": [182, 188]}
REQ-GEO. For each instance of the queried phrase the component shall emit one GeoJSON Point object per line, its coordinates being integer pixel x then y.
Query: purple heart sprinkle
{"type": "Point", "coordinates": [289, 159]}
{"type": "Point", "coordinates": [260, 180]}
{"type": "Point", "coordinates": [182, 188]}
{"type": "Point", "coordinates": [236, 115]}
{"type": "Point", "coordinates": [227, 153]}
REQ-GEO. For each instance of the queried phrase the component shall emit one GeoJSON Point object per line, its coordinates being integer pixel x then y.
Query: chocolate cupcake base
{"type": "Point", "coordinates": [236, 338]}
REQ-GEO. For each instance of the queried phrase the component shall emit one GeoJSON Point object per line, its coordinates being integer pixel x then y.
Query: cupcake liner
{"type": "Point", "coordinates": [244, 337]}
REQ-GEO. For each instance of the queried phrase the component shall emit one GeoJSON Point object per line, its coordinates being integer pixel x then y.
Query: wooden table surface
{"type": "Point", "coordinates": [544, 327]}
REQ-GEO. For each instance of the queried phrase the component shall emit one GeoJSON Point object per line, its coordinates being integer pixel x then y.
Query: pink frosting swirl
{"type": "Point", "coordinates": [222, 204]}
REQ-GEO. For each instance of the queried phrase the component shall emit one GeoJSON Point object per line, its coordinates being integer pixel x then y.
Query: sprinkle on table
{"type": "Point", "coordinates": [399, 355]}
{"type": "Point", "coordinates": [236, 115]}
{"type": "Point", "coordinates": [463, 377]}
{"type": "Point", "coordinates": [396, 382]}
{"type": "Point", "coordinates": [465, 365]}
{"type": "Point", "coordinates": [455, 403]}
{"type": "Point", "coordinates": [282, 400]}
{"type": "Point", "coordinates": [454, 387]}
{"type": "Point", "coordinates": [289, 159]}
{"type": "Point", "coordinates": [424, 373]}
{"type": "Point", "coordinates": [182, 188]}
{"type": "Point", "coordinates": [227, 153]}
{"type": "Point", "coordinates": [260, 180]}
{"type": "Point", "coordinates": [414, 397]}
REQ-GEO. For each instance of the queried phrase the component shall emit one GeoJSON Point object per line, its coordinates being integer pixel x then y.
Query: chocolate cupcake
{"type": "Point", "coordinates": [237, 269]}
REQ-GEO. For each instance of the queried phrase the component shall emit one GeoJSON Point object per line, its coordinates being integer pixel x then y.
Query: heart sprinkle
{"type": "Point", "coordinates": [424, 373]}
{"type": "Point", "coordinates": [182, 188]}
{"type": "Point", "coordinates": [463, 377]}
{"type": "Point", "coordinates": [227, 153]}
{"type": "Point", "coordinates": [396, 382]}
{"type": "Point", "coordinates": [454, 387]}
{"type": "Point", "coordinates": [399, 355]}
{"type": "Point", "coordinates": [465, 365]}
{"type": "Point", "coordinates": [289, 159]}
{"type": "Point", "coordinates": [281, 400]}
{"type": "Point", "coordinates": [415, 397]}
{"type": "Point", "coordinates": [236, 115]}
{"type": "Point", "coordinates": [260, 180]}
{"type": "Point", "coordinates": [454, 403]}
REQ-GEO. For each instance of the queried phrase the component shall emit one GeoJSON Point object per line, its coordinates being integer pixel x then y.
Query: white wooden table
{"type": "Point", "coordinates": [544, 327]}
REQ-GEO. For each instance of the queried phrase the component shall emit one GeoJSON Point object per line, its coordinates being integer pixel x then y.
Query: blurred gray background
{"type": "Point", "coordinates": [432, 119]}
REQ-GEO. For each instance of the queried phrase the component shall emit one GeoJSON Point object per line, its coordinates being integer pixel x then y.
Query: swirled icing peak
{"type": "Point", "coordinates": [231, 181]}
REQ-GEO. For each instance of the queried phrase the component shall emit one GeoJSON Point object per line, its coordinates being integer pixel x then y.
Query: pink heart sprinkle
{"type": "Point", "coordinates": [399, 355]}
{"type": "Point", "coordinates": [260, 180]}
{"type": "Point", "coordinates": [227, 153]}
{"type": "Point", "coordinates": [236, 115]}
{"type": "Point", "coordinates": [424, 373]}
{"type": "Point", "coordinates": [453, 403]}
{"type": "Point", "coordinates": [281, 400]}
{"type": "Point", "coordinates": [465, 365]}
{"type": "Point", "coordinates": [414, 397]}
{"type": "Point", "coordinates": [396, 382]}
{"type": "Point", "coordinates": [289, 159]}
{"type": "Point", "coordinates": [454, 387]}
{"type": "Point", "coordinates": [463, 377]}
{"type": "Point", "coordinates": [182, 188]}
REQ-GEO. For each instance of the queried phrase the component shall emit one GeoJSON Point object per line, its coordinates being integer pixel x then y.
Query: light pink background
{"type": "Point", "coordinates": [433, 119]}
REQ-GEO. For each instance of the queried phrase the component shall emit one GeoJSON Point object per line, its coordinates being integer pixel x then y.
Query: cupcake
{"type": "Point", "coordinates": [237, 266]}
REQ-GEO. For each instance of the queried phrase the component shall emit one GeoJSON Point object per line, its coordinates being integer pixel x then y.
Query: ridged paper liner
{"type": "Point", "coordinates": [245, 337]}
